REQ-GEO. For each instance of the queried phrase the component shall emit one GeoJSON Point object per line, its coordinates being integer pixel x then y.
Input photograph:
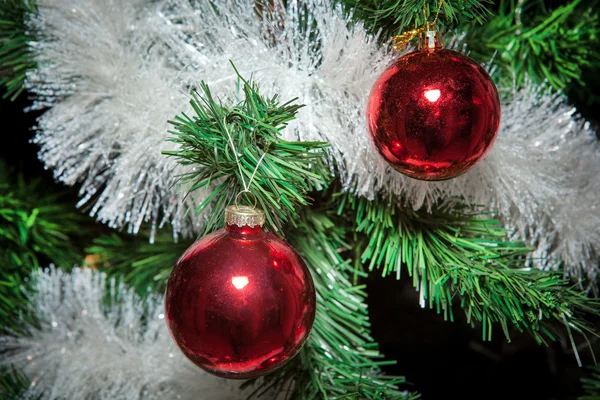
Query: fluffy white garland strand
{"type": "Point", "coordinates": [113, 72]}
{"type": "Point", "coordinates": [85, 350]}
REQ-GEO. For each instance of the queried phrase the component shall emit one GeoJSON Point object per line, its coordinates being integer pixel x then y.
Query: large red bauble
{"type": "Point", "coordinates": [240, 302]}
{"type": "Point", "coordinates": [433, 114]}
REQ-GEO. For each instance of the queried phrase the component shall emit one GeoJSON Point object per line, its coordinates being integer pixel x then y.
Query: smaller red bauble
{"type": "Point", "coordinates": [240, 302]}
{"type": "Point", "coordinates": [434, 113]}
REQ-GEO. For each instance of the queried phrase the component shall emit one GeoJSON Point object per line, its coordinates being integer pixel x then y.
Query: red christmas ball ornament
{"type": "Point", "coordinates": [434, 113]}
{"type": "Point", "coordinates": [240, 302]}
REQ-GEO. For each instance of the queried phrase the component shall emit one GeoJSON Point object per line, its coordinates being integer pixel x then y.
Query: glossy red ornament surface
{"type": "Point", "coordinates": [240, 302]}
{"type": "Point", "coordinates": [434, 114]}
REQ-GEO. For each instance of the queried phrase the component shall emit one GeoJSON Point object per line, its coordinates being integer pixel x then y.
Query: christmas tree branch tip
{"type": "Point", "coordinates": [529, 42]}
{"type": "Point", "coordinates": [137, 261]}
{"type": "Point", "coordinates": [14, 384]}
{"type": "Point", "coordinates": [36, 228]}
{"type": "Point", "coordinates": [239, 148]}
{"type": "Point", "coordinates": [457, 255]}
{"type": "Point", "coordinates": [392, 17]}
{"type": "Point", "coordinates": [15, 55]}
{"type": "Point", "coordinates": [591, 384]}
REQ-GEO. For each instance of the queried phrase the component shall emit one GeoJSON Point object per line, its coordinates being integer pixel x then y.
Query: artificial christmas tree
{"type": "Point", "coordinates": [142, 112]}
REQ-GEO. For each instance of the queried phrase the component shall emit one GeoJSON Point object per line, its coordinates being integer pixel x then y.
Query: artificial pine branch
{"type": "Point", "coordinates": [526, 41]}
{"type": "Point", "coordinates": [591, 385]}
{"type": "Point", "coordinates": [15, 55]}
{"type": "Point", "coordinates": [455, 255]}
{"type": "Point", "coordinates": [340, 359]}
{"type": "Point", "coordinates": [36, 228]}
{"type": "Point", "coordinates": [135, 261]}
{"type": "Point", "coordinates": [392, 17]}
{"type": "Point", "coordinates": [14, 385]}
{"type": "Point", "coordinates": [287, 172]}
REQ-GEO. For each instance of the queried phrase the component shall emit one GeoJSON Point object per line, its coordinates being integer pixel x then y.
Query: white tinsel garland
{"type": "Point", "coordinates": [113, 72]}
{"type": "Point", "coordinates": [84, 349]}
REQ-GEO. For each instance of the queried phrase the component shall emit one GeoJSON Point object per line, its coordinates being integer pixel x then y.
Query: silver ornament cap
{"type": "Point", "coordinates": [244, 216]}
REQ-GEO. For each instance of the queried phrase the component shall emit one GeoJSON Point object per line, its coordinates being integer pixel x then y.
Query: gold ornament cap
{"type": "Point", "coordinates": [430, 39]}
{"type": "Point", "coordinates": [244, 216]}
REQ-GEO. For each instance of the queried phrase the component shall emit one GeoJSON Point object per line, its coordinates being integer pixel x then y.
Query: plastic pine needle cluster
{"type": "Point", "coordinates": [279, 173]}
{"type": "Point", "coordinates": [15, 385]}
{"type": "Point", "coordinates": [35, 228]}
{"type": "Point", "coordinates": [591, 385]}
{"type": "Point", "coordinates": [15, 55]}
{"type": "Point", "coordinates": [291, 170]}
{"type": "Point", "coordinates": [142, 265]}
{"type": "Point", "coordinates": [392, 17]}
{"type": "Point", "coordinates": [554, 46]}
{"type": "Point", "coordinates": [457, 257]}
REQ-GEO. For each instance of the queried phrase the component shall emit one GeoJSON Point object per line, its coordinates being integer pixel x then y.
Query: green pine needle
{"type": "Point", "coordinates": [15, 55]}
{"type": "Point", "coordinates": [546, 46]}
{"type": "Point", "coordinates": [591, 384]}
{"type": "Point", "coordinates": [392, 17]}
{"type": "Point", "coordinates": [340, 360]}
{"type": "Point", "coordinates": [454, 255]}
{"type": "Point", "coordinates": [287, 172]}
{"type": "Point", "coordinates": [36, 229]}
{"type": "Point", "coordinates": [136, 261]}
{"type": "Point", "coordinates": [14, 385]}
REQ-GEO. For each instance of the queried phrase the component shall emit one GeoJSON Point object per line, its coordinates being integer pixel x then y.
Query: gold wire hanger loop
{"type": "Point", "coordinates": [237, 198]}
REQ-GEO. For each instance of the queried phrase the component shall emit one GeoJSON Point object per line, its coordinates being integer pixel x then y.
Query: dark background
{"type": "Point", "coordinates": [441, 359]}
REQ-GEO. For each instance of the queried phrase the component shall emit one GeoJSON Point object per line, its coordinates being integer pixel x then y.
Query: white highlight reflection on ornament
{"type": "Point", "coordinates": [239, 282]}
{"type": "Point", "coordinates": [433, 95]}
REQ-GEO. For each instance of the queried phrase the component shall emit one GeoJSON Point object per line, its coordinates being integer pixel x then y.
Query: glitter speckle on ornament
{"type": "Point", "coordinates": [434, 113]}
{"type": "Point", "coordinates": [240, 302]}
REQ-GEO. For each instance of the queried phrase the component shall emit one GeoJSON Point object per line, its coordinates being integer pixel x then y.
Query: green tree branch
{"type": "Point", "coordinates": [134, 260]}
{"type": "Point", "coordinates": [591, 385]}
{"type": "Point", "coordinates": [15, 55]}
{"type": "Point", "coordinates": [279, 173]}
{"type": "Point", "coordinates": [455, 255]}
{"type": "Point", "coordinates": [36, 229]}
{"type": "Point", "coordinates": [527, 41]}
{"type": "Point", "coordinates": [14, 385]}
{"type": "Point", "coordinates": [392, 17]}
